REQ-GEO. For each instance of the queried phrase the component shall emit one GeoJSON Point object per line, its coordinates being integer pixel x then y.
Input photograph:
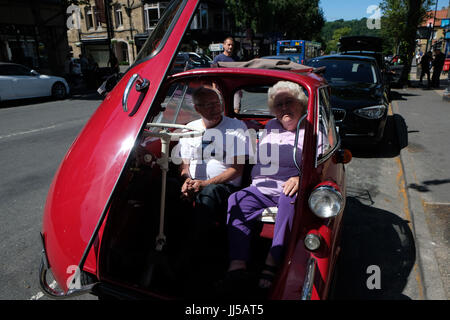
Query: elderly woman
{"type": "Point", "coordinates": [288, 103]}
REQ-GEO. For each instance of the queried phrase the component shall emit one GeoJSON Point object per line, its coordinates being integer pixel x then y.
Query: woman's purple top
{"type": "Point", "coordinates": [274, 167]}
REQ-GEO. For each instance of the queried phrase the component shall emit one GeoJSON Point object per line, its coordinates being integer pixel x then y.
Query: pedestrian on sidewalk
{"type": "Point", "coordinates": [425, 66]}
{"type": "Point", "coordinates": [438, 65]}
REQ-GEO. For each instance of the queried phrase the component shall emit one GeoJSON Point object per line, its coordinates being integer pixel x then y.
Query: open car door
{"type": "Point", "coordinates": [81, 191]}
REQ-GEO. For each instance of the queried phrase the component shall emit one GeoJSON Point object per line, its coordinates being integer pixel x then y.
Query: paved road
{"type": "Point", "coordinates": [381, 226]}
{"type": "Point", "coordinates": [33, 141]}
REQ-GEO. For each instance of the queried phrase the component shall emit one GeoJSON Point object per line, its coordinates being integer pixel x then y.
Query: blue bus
{"type": "Point", "coordinates": [299, 50]}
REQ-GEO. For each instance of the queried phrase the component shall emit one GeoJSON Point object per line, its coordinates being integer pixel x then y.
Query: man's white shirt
{"type": "Point", "coordinates": [212, 153]}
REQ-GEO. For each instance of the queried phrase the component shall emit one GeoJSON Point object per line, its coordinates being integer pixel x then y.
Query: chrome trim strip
{"type": "Point", "coordinates": [296, 142]}
{"type": "Point", "coordinates": [309, 279]}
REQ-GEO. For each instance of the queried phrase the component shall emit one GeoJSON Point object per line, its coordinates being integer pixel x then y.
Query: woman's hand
{"type": "Point", "coordinates": [290, 187]}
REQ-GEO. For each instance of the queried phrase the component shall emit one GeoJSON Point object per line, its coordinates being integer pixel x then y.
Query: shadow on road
{"type": "Point", "coordinates": [396, 95]}
{"type": "Point", "coordinates": [374, 237]}
{"type": "Point", "coordinates": [395, 139]}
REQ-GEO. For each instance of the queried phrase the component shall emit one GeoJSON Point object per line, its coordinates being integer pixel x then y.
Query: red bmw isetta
{"type": "Point", "coordinates": [105, 227]}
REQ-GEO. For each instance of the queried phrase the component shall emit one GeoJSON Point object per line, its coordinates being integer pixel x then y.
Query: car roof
{"type": "Point", "coordinates": [361, 43]}
{"type": "Point", "coordinates": [9, 64]}
{"type": "Point", "coordinates": [276, 57]}
{"type": "Point", "coordinates": [345, 57]}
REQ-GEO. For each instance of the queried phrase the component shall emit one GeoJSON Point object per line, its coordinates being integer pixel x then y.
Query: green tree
{"type": "Point", "coordinates": [295, 19]}
{"type": "Point", "coordinates": [400, 23]}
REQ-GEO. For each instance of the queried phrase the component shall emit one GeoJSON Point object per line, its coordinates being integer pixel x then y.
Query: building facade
{"type": "Point", "coordinates": [33, 33]}
{"type": "Point", "coordinates": [431, 31]}
{"type": "Point", "coordinates": [121, 27]}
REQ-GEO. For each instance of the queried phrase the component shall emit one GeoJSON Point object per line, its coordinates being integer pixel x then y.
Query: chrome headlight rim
{"type": "Point", "coordinates": [361, 112]}
{"type": "Point", "coordinates": [335, 192]}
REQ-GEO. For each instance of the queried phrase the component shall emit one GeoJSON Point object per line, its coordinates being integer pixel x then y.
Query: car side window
{"type": "Point", "coordinates": [327, 137]}
{"type": "Point", "coordinates": [18, 71]}
{"type": "Point", "coordinates": [3, 71]}
{"type": "Point", "coordinates": [177, 106]}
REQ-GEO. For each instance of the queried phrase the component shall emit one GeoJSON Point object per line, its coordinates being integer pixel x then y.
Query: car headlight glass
{"type": "Point", "coordinates": [374, 112]}
{"type": "Point", "coordinates": [326, 202]}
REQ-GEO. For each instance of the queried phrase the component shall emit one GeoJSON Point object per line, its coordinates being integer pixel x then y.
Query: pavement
{"type": "Point", "coordinates": [422, 126]}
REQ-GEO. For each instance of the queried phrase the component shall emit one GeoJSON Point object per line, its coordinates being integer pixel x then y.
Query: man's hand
{"type": "Point", "coordinates": [290, 187]}
{"type": "Point", "coordinates": [187, 192]}
{"type": "Point", "coordinates": [191, 187]}
{"type": "Point", "coordinates": [198, 185]}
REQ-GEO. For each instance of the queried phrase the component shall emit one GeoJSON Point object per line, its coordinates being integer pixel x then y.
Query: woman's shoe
{"type": "Point", "coordinates": [267, 276]}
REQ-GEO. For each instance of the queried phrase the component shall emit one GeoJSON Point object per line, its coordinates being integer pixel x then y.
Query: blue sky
{"type": "Point", "coordinates": [346, 9]}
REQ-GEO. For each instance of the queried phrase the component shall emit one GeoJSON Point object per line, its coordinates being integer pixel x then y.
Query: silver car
{"type": "Point", "coordinates": [20, 82]}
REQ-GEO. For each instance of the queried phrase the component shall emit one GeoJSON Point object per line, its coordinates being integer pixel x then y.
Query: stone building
{"type": "Point", "coordinates": [431, 31]}
{"type": "Point", "coordinates": [33, 33]}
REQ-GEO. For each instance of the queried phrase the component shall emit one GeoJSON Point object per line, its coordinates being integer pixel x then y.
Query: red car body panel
{"type": "Point", "coordinates": [86, 178]}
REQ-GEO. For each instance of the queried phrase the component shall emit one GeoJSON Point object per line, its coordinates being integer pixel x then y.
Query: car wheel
{"type": "Point", "coordinates": [59, 91]}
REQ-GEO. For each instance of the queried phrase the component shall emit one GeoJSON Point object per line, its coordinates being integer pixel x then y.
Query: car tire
{"type": "Point", "coordinates": [59, 91]}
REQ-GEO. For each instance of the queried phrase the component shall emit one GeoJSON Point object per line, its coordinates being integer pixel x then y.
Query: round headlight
{"type": "Point", "coordinates": [312, 242]}
{"type": "Point", "coordinates": [325, 202]}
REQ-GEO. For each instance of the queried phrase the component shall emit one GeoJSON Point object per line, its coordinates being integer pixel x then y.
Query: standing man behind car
{"type": "Point", "coordinates": [227, 54]}
{"type": "Point", "coordinates": [438, 65]}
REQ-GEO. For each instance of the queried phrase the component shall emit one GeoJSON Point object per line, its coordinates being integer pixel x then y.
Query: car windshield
{"type": "Point", "coordinates": [341, 70]}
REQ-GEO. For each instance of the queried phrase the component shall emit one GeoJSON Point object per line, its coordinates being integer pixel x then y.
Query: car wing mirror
{"type": "Point", "coordinates": [34, 73]}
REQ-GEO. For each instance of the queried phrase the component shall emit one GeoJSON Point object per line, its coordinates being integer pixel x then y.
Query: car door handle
{"type": "Point", "coordinates": [141, 85]}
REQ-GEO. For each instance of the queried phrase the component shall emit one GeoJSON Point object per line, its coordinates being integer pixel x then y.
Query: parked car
{"type": "Point", "coordinates": [190, 60]}
{"type": "Point", "coordinates": [20, 82]}
{"type": "Point", "coordinates": [358, 96]}
{"type": "Point", "coordinates": [104, 215]}
{"type": "Point", "coordinates": [371, 47]}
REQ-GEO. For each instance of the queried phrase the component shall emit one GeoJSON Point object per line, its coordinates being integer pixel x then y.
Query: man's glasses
{"type": "Point", "coordinates": [208, 105]}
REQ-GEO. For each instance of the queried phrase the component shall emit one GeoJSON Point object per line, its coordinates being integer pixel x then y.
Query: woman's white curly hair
{"type": "Point", "coordinates": [295, 89]}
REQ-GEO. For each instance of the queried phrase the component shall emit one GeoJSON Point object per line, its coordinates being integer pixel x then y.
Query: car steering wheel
{"type": "Point", "coordinates": [166, 136]}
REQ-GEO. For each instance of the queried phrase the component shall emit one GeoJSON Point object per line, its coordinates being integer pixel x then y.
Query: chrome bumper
{"type": "Point", "coordinates": [309, 279]}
